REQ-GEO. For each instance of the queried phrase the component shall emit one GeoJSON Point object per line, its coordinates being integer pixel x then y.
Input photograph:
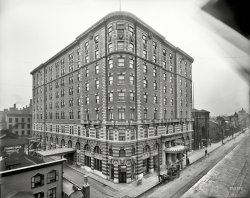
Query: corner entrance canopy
{"type": "Point", "coordinates": [58, 151]}
{"type": "Point", "coordinates": [176, 149]}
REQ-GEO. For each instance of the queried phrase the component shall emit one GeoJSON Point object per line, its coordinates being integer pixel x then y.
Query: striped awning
{"type": "Point", "coordinates": [176, 149]}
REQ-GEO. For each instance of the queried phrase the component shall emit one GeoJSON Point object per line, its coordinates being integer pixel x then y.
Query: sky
{"type": "Point", "coordinates": [31, 32]}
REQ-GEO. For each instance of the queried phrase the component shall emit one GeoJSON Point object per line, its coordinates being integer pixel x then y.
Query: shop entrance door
{"type": "Point", "coordinates": [122, 174]}
{"type": "Point", "coordinates": [112, 171]}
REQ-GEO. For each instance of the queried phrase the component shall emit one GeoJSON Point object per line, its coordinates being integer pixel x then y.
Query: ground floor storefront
{"type": "Point", "coordinates": [120, 162]}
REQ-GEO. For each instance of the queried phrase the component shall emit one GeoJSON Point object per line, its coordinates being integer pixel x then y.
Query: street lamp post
{"type": "Point", "coordinates": [184, 142]}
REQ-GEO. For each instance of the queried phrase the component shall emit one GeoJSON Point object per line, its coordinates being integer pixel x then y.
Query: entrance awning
{"type": "Point", "coordinates": [176, 149]}
{"type": "Point", "coordinates": [58, 151]}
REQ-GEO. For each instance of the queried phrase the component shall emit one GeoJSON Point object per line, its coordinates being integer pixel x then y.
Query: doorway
{"type": "Point", "coordinates": [112, 171]}
{"type": "Point", "coordinates": [122, 174]}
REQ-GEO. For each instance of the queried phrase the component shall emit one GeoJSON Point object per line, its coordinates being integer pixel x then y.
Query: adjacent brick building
{"type": "Point", "coordinates": [17, 120]}
{"type": "Point", "coordinates": [201, 128]}
{"type": "Point", "coordinates": [120, 94]}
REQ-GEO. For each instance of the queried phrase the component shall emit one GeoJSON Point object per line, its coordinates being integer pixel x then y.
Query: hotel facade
{"type": "Point", "coordinates": [121, 95]}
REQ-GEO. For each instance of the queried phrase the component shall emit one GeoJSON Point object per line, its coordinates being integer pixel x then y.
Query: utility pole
{"type": "Point", "coordinates": [222, 131]}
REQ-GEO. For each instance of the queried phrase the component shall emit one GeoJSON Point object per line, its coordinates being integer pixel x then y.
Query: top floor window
{"type": "Point", "coordinates": [170, 58]}
{"type": "Point", "coordinates": [164, 53]}
{"type": "Point", "coordinates": [154, 45]}
{"type": "Point", "coordinates": [96, 39]}
{"type": "Point", "coordinates": [130, 30]}
{"type": "Point", "coordinates": [86, 46]}
{"type": "Point", "coordinates": [52, 176]}
{"type": "Point", "coordinates": [37, 180]}
{"type": "Point", "coordinates": [110, 28]}
{"type": "Point", "coordinates": [120, 28]}
{"type": "Point", "coordinates": [144, 41]}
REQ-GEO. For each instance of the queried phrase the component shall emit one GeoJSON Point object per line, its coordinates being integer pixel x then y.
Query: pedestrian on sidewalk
{"type": "Point", "coordinates": [206, 152]}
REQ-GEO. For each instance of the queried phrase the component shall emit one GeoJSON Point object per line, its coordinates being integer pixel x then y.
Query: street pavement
{"type": "Point", "coordinates": [191, 174]}
{"type": "Point", "coordinates": [101, 187]}
{"type": "Point", "coordinates": [229, 178]}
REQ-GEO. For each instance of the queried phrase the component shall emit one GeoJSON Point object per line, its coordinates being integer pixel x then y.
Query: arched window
{"type": "Point", "coordinates": [51, 140]}
{"type": "Point", "coordinates": [78, 146]}
{"type": "Point", "coordinates": [97, 160]}
{"type": "Point", "coordinates": [156, 146]}
{"type": "Point", "coordinates": [97, 150]}
{"type": "Point", "coordinates": [37, 180]}
{"type": "Point", "coordinates": [69, 144]}
{"type": "Point", "coordinates": [146, 149]}
{"type": "Point", "coordinates": [62, 143]}
{"type": "Point", "coordinates": [86, 147]}
{"type": "Point", "coordinates": [122, 153]}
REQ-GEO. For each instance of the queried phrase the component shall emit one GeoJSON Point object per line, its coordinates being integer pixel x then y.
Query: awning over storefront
{"type": "Point", "coordinates": [58, 151]}
{"type": "Point", "coordinates": [176, 149]}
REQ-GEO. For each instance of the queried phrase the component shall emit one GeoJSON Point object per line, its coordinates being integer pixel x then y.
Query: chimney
{"type": "Point", "coordinates": [14, 106]}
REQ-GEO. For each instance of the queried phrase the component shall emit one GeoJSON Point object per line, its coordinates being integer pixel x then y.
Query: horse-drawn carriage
{"type": "Point", "coordinates": [169, 174]}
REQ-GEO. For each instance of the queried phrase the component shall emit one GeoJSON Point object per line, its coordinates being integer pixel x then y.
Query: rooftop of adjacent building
{"type": "Point", "coordinates": [200, 111]}
{"type": "Point", "coordinates": [14, 110]}
{"type": "Point", "coordinates": [123, 14]}
{"type": "Point", "coordinates": [31, 168]}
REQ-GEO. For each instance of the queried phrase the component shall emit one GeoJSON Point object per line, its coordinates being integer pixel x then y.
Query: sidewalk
{"type": "Point", "coordinates": [149, 181]}
{"type": "Point", "coordinates": [229, 178]}
{"type": "Point", "coordinates": [199, 154]}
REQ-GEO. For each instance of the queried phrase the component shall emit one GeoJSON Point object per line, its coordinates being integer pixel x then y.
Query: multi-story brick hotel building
{"type": "Point", "coordinates": [120, 94]}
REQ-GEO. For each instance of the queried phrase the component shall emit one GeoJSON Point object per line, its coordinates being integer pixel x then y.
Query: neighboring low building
{"type": "Point", "coordinates": [2, 120]}
{"type": "Point", "coordinates": [40, 180]}
{"type": "Point", "coordinates": [214, 131]}
{"type": "Point", "coordinates": [18, 121]}
{"type": "Point", "coordinates": [244, 120]}
{"type": "Point", "coordinates": [201, 128]}
{"type": "Point", "coordinates": [12, 151]}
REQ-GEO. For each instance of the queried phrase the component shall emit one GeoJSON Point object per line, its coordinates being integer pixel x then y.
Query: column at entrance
{"type": "Point", "coordinates": [174, 157]}
{"type": "Point", "coordinates": [129, 172]}
{"type": "Point", "coordinates": [116, 179]}
{"type": "Point", "coordinates": [163, 156]}
{"type": "Point", "coordinates": [151, 164]}
{"type": "Point", "coordinates": [169, 159]}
